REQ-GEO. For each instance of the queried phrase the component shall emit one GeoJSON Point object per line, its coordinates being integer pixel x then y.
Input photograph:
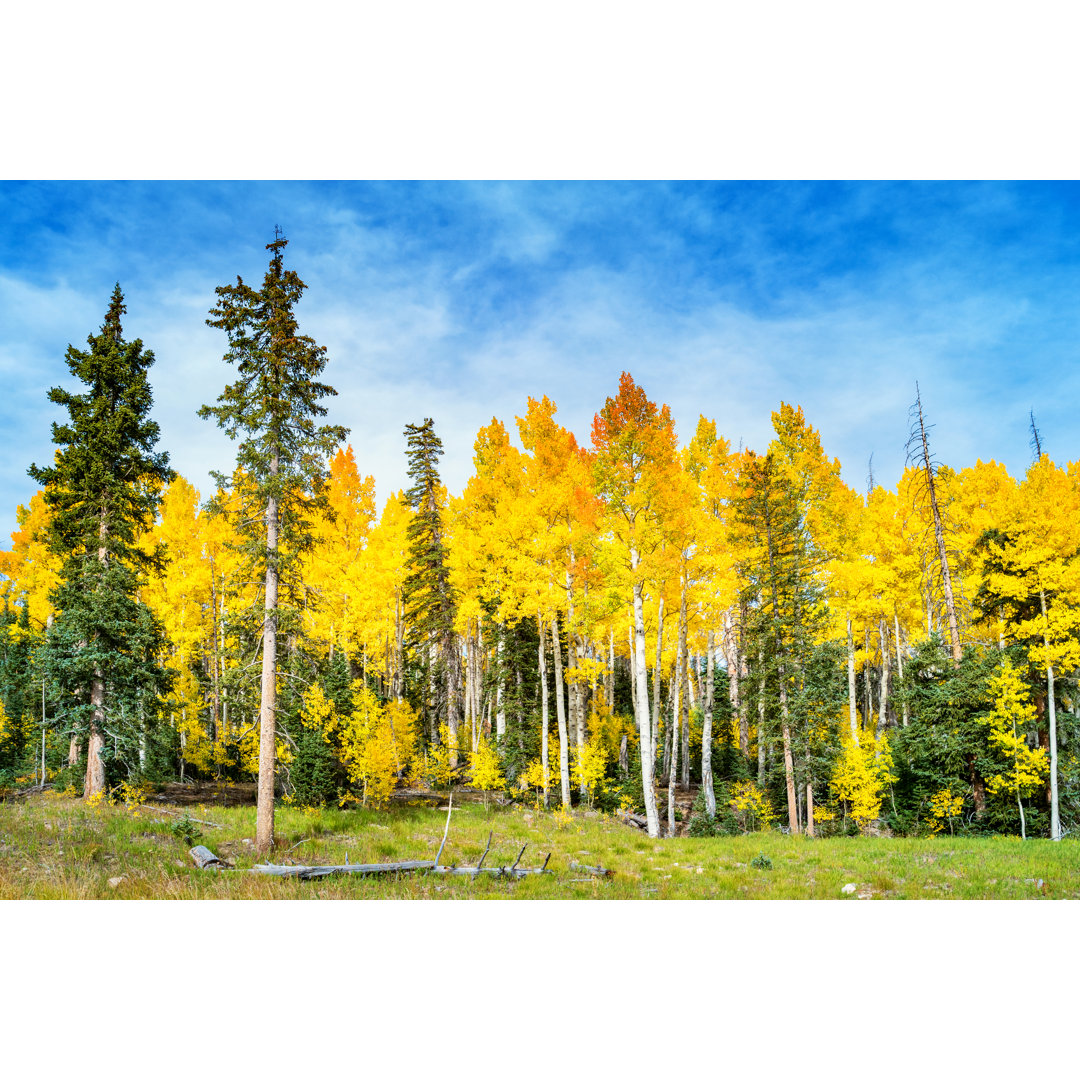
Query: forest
{"type": "Point", "coordinates": [700, 639]}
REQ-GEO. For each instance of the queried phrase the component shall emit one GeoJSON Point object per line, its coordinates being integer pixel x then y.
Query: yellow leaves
{"type": "Point", "coordinates": [486, 771]}
{"type": "Point", "coordinates": [588, 765]}
{"type": "Point", "coordinates": [750, 805]}
{"type": "Point", "coordinates": [861, 774]}
{"type": "Point", "coordinates": [30, 569]}
{"type": "Point", "coordinates": [944, 806]}
{"type": "Point", "coordinates": [1013, 710]}
{"type": "Point", "coordinates": [318, 712]}
{"type": "Point", "coordinates": [532, 776]}
{"type": "Point", "coordinates": [376, 742]}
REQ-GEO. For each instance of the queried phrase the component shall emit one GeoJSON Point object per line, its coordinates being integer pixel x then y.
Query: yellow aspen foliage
{"type": "Point", "coordinates": [588, 766]}
{"type": "Point", "coordinates": [1012, 710]}
{"type": "Point", "coordinates": [376, 742]}
{"type": "Point", "coordinates": [30, 569]}
{"type": "Point", "coordinates": [532, 776]}
{"type": "Point", "coordinates": [862, 772]}
{"type": "Point", "coordinates": [486, 773]}
{"type": "Point", "coordinates": [750, 805]}
{"type": "Point", "coordinates": [318, 712]}
{"type": "Point", "coordinates": [367, 746]}
{"type": "Point", "coordinates": [944, 806]}
{"type": "Point", "coordinates": [181, 598]}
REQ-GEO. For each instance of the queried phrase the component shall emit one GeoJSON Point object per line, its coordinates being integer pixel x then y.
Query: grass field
{"type": "Point", "coordinates": [59, 848]}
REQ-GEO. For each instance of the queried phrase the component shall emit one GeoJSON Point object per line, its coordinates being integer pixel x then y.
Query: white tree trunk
{"type": "Point", "coordinates": [651, 817]}
{"type": "Point", "coordinates": [1051, 710]}
{"type": "Point", "coordinates": [560, 713]}
{"type": "Point", "coordinates": [853, 715]}
{"type": "Point", "coordinates": [706, 731]}
{"type": "Point", "coordinates": [544, 712]}
{"type": "Point", "coordinates": [656, 676]}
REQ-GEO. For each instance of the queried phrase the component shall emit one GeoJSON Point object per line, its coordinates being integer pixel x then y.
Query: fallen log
{"type": "Point", "coordinates": [306, 873]}
{"type": "Point", "coordinates": [600, 871]}
{"type": "Point", "coordinates": [205, 859]}
{"type": "Point", "coordinates": [514, 871]}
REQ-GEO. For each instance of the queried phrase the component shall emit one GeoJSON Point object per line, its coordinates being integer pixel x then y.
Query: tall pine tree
{"type": "Point", "coordinates": [428, 598]}
{"type": "Point", "coordinates": [103, 490]}
{"type": "Point", "coordinates": [281, 459]}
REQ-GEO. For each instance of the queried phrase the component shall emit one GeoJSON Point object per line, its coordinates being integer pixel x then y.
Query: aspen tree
{"type": "Point", "coordinates": [634, 444]}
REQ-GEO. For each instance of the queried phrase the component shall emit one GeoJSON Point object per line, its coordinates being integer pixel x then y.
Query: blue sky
{"type": "Point", "coordinates": [459, 300]}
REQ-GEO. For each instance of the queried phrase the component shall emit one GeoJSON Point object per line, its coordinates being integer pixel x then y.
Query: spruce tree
{"type": "Point", "coordinates": [103, 489]}
{"type": "Point", "coordinates": [428, 599]}
{"type": "Point", "coordinates": [281, 459]}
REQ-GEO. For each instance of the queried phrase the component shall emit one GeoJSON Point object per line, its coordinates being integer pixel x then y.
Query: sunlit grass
{"type": "Point", "coordinates": [53, 848]}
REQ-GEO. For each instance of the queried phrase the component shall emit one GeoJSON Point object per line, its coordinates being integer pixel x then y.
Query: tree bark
{"type": "Point", "coordinates": [883, 693]}
{"type": "Point", "coordinates": [706, 731]}
{"type": "Point", "coordinates": [543, 711]}
{"type": "Point", "coordinates": [656, 675]}
{"type": "Point", "coordinates": [900, 665]}
{"type": "Point", "coordinates": [939, 537]}
{"type": "Point", "coordinates": [1055, 813]}
{"type": "Point", "coordinates": [682, 711]}
{"type": "Point", "coordinates": [264, 814]}
{"type": "Point", "coordinates": [675, 714]}
{"type": "Point", "coordinates": [644, 724]}
{"type": "Point", "coordinates": [853, 716]}
{"type": "Point", "coordinates": [761, 718]}
{"type": "Point", "coordinates": [560, 712]}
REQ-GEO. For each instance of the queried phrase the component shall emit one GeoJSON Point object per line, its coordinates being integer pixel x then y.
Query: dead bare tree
{"type": "Point", "coordinates": [918, 455]}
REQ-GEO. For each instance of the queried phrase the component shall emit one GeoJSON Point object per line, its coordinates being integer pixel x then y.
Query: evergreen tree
{"type": "Point", "coordinates": [428, 598]}
{"type": "Point", "coordinates": [103, 490]}
{"type": "Point", "coordinates": [281, 459]}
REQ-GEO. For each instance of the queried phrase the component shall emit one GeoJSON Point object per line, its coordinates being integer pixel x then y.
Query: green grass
{"type": "Point", "coordinates": [56, 848]}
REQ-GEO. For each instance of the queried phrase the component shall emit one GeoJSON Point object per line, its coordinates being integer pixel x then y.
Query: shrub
{"type": "Point", "coordinates": [185, 829]}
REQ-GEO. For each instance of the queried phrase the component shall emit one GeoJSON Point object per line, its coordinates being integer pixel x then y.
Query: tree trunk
{"type": "Point", "coordinates": [852, 711]}
{"type": "Point", "coordinates": [681, 715]}
{"type": "Point", "coordinates": [883, 694]}
{"type": "Point", "coordinates": [544, 711]}
{"type": "Point", "coordinates": [94, 783]}
{"type": "Point", "coordinates": [789, 764]}
{"type": "Point", "coordinates": [264, 814]}
{"type": "Point", "coordinates": [1051, 708]}
{"type": "Point", "coordinates": [900, 664]}
{"type": "Point", "coordinates": [500, 708]}
{"type": "Point", "coordinates": [656, 675]}
{"type": "Point", "coordinates": [761, 718]}
{"type": "Point", "coordinates": [809, 809]}
{"type": "Point", "coordinates": [675, 714]}
{"type": "Point", "coordinates": [731, 655]}
{"type": "Point", "coordinates": [706, 731]}
{"type": "Point", "coordinates": [644, 724]}
{"type": "Point", "coordinates": [610, 688]}
{"type": "Point", "coordinates": [939, 536]}
{"type": "Point", "coordinates": [560, 712]}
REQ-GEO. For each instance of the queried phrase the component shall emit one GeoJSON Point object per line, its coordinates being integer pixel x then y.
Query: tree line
{"type": "Point", "coordinates": [607, 623]}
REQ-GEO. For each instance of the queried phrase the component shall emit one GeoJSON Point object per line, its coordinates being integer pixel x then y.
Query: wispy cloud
{"type": "Point", "coordinates": [459, 301]}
